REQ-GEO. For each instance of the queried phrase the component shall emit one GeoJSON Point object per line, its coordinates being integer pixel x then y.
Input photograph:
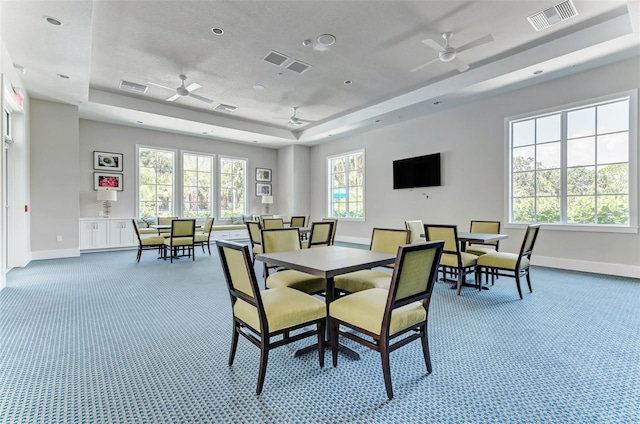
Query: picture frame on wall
{"type": "Point", "coordinates": [263, 189]}
{"type": "Point", "coordinates": [106, 161]}
{"type": "Point", "coordinates": [263, 175]}
{"type": "Point", "coordinates": [103, 180]}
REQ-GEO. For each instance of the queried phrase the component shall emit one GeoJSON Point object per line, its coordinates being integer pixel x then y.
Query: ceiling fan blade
{"type": "Point", "coordinates": [424, 65]}
{"type": "Point", "coordinates": [193, 86]}
{"type": "Point", "coordinates": [203, 99]}
{"type": "Point", "coordinates": [172, 98]}
{"type": "Point", "coordinates": [475, 43]}
{"type": "Point", "coordinates": [161, 86]}
{"type": "Point", "coordinates": [460, 64]}
{"type": "Point", "coordinates": [431, 43]}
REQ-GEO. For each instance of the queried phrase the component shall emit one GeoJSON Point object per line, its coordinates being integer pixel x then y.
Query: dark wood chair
{"type": "Point", "coordinates": [320, 235]}
{"type": "Point", "coordinates": [148, 243]}
{"type": "Point", "coordinates": [182, 238]}
{"type": "Point", "coordinates": [204, 238]}
{"type": "Point", "coordinates": [254, 227]}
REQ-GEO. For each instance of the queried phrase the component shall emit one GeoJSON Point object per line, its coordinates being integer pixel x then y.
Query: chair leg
{"type": "Point", "coordinates": [234, 344]}
{"type": "Point", "coordinates": [386, 369]}
{"type": "Point", "coordinates": [208, 247]}
{"type": "Point", "coordinates": [139, 253]}
{"type": "Point", "coordinates": [321, 335]}
{"type": "Point", "coordinates": [425, 346]}
{"type": "Point", "coordinates": [264, 356]}
{"type": "Point", "coordinates": [518, 285]}
{"type": "Point", "coordinates": [460, 277]}
{"type": "Point", "coordinates": [333, 329]}
{"type": "Point", "coordinates": [528, 280]}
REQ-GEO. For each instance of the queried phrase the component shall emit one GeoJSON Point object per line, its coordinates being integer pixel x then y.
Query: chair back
{"type": "Point", "coordinates": [529, 240]}
{"type": "Point", "coordinates": [321, 234]}
{"type": "Point", "coordinates": [487, 227]}
{"type": "Point", "coordinates": [446, 233]}
{"type": "Point", "coordinates": [272, 223]}
{"type": "Point", "coordinates": [417, 228]}
{"type": "Point", "coordinates": [297, 221]}
{"type": "Point", "coordinates": [263, 217]}
{"type": "Point", "coordinates": [254, 232]}
{"type": "Point", "coordinates": [280, 239]}
{"type": "Point", "coordinates": [135, 227]}
{"type": "Point", "coordinates": [335, 227]}
{"type": "Point", "coordinates": [166, 220]}
{"type": "Point", "coordinates": [387, 240]}
{"type": "Point", "coordinates": [183, 228]}
{"type": "Point", "coordinates": [208, 226]}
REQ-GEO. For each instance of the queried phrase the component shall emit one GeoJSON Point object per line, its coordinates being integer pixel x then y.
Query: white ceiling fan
{"type": "Point", "coordinates": [294, 120]}
{"type": "Point", "coordinates": [183, 91]}
{"type": "Point", "coordinates": [447, 53]}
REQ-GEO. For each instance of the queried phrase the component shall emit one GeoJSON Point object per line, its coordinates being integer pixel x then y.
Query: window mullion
{"type": "Point", "coordinates": [563, 167]}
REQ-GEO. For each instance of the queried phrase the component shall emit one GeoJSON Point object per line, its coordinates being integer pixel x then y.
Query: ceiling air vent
{"type": "Point", "coordinates": [132, 86]}
{"type": "Point", "coordinates": [297, 66]}
{"type": "Point", "coordinates": [225, 108]}
{"type": "Point", "coordinates": [551, 16]}
{"type": "Point", "coordinates": [276, 58]}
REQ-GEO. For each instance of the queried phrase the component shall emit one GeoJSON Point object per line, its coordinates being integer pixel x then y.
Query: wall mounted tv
{"type": "Point", "coordinates": [421, 171]}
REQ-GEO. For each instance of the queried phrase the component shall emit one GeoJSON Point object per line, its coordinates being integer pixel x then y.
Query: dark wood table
{"type": "Point", "coordinates": [328, 262]}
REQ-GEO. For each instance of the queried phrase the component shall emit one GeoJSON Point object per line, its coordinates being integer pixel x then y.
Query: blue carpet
{"type": "Point", "coordinates": [102, 339]}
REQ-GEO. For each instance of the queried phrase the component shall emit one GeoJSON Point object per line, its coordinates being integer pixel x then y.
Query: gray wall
{"type": "Point", "coordinates": [292, 196]}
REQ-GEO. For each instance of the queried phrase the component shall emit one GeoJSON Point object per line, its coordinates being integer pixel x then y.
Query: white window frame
{"type": "Point", "coordinates": [219, 185]}
{"type": "Point", "coordinates": [177, 193]}
{"type": "Point", "coordinates": [330, 188]}
{"type": "Point", "coordinates": [214, 193]}
{"type": "Point", "coordinates": [633, 165]}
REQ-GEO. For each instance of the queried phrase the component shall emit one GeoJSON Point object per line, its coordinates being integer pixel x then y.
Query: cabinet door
{"type": "Point", "coordinates": [93, 235]}
{"type": "Point", "coordinates": [121, 234]}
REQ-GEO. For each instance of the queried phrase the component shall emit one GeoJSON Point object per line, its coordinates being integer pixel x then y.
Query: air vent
{"type": "Point", "coordinates": [276, 58]}
{"type": "Point", "coordinates": [225, 108]}
{"type": "Point", "coordinates": [551, 16]}
{"type": "Point", "coordinates": [132, 86]}
{"type": "Point", "coordinates": [299, 67]}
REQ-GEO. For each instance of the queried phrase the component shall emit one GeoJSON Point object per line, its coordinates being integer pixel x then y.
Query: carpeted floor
{"type": "Point", "coordinates": [102, 339]}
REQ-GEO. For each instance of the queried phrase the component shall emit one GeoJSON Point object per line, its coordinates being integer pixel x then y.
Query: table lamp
{"type": "Point", "coordinates": [267, 201]}
{"type": "Point", "coordinates": [107, 196]}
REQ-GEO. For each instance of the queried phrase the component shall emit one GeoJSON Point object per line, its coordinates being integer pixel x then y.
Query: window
{"type": "Point", "coordinates": [197, 185]}
{"type": "Point", "coordinates": [346, 185]}
{"type": "Point", "coordinates": [573, 166]}
{"type": "Point", "coordinates": [155, 182]}
{"type": "Point", "coordinates": [233, 176]}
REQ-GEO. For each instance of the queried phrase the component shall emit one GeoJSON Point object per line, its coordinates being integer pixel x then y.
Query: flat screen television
{"type": "Point", "coordinates": [421, 171]}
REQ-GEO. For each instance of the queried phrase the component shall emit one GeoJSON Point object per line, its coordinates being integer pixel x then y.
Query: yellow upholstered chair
{"type": "Point", "coordinates": [165, 220]}
{"type": "Point", "coordinates": [384, 240]}
{"type": "Point", "coordinates": [261, 316]}
{"type": "Point", "coordinates": [513, 265]}
{"type": "Point", "coordinates": [335, 228]}
{"type": "Point", "coordinates": [487, 227]}
{"type": "Point", "coordinates": [182, 237]}
{"type": "Point", "coordinates": [268, 223]}
{"type": "Point", "coordinates": [320, 235]}
{"type": "Point", "coordinates": [417, 231]}
{"type": "Point", "coordinates": [254, 227]}
{"type": "Point", "coordinates": [458, 263]}
{"type": "Point", "coordinates": [204, 237]}
{"type": "Point", "coordinates": [262, 217]}
{"type": "Point", "coordinates": [297, 221]}
{"type": "Point", "coordinates": [148, 243]}
{"type": "Point", "coordinates": [378, 316]}
{"type": "Point", "coordinates": [282, 240]}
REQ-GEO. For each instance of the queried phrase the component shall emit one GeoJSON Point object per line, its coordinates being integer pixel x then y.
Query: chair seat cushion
{"type": "Point", "coordinates": [479, 250]}
{"type": "Point", "coordinates": [296, 280]}
{"type": "Point", "coordinates": [502, 260]}
{"type": "Point", "coordinates": [301, 308]}
{"type": "Point", "coordinates": [363, 280]}
{"type": "Point", "coordinates": [152, 241]}
{"type": "Point", "coordinates": [200, 238]}
{"type": "Point", "coordinates": [449, 259]}
{"type": "Point", "coordinates": [366, 308]}
{"type": "Point", "coordinates": [179, 241]}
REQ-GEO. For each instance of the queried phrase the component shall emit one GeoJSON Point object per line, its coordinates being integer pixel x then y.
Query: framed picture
{"type": "Point", "coordinates": [263, 174]}
{"type": "Point", "coordinates": [106, 161]}
{"type": "Point", "coordinates": [103, 181]}
{"type": "Point", "coordinates": [263, 189]}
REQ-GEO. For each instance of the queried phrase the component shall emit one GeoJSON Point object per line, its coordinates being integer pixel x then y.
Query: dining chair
{"type": "Point", "coordinates": [204, 237]}
{"type": "Point", "coordinates": [385, 240]}
{"type": "Point", "coordinates": [335, 228]}
{"type": "Point", "coordinates": [253, 228]}
{"type": "Point", "coordinates": [379, 316]}
{"type": "Point", "coordinates": [320, 235]}
{"type": "Point", "coordinates": [165, 220]}
{"type": "Point", "coordinates": [272, 223]}
{"type": "Point", "coordinates": [283, 240]}
{"type": "Point", "coordinates": [148, 243]}
{"type": "Point", "coordinates": [261, 316]}
{"type": "Point", "coordinates": [262, 217]}
{"type": "Point", "coordinates": [182, 237]}
{"type": "Point", "coordinates": [454, 261]}
{"type": "Point", "coordinates": [417, 231]}
{"type": "Point", "coordinates": [488, 227]}
{"type": "Point", "coordinates": [297, 221]}
{"type": "Point", "coordinates": [514, 265]}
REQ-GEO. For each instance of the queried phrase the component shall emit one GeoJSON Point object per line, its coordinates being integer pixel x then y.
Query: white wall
{"type": "Point", "coordinates": [471, 140]}
{"type": "Point", "coordinates": [292, 196]}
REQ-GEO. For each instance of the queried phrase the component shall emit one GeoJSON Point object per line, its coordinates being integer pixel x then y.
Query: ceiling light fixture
{"type": "Point", "coordinates": [139, 122]}
{"type": "Point", "coordinates": [217, 31]}
{"type": "Point", "coordinates": [52, 21]}
{"type": "Point", "coordinates": [348, 82]}
{"type": "Point", "coordinates": [437, 102]}
{"type": "Point", "coordinates": [63, 76]}
{"type": "Point", "coordinates": [258, 87]}
{"type": "Point", "coordinates": [306, 43]}
{"type": "Point", "coordinates": [538, 72]}
{"type": "Point", "coordinates": [326, 39]}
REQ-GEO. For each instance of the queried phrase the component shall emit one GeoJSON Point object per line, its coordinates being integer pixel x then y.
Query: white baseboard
{"type": "Point", "coordinates": [54, 254]}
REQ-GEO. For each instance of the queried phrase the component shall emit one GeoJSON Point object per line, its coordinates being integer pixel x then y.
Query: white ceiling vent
{"type": "Point", "coordinates": [276, 58]}
{"type": "Point", "coordinates": [132, 86]}
{"type": "Point", "coordinates": [225, 108]}
{"type": "Point", "coordinates": [297, 66]}
{"type": "Point", "coordinates": [551, 16]}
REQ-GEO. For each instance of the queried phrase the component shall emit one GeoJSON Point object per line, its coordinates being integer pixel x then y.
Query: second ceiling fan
{"type": "Point", "coordinates": [183, 91]}
{"type": "Point", "coordinates": [447, 53]}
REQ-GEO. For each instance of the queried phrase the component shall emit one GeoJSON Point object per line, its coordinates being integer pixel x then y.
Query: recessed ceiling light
{"type": "Point", "coordinates": [326, 39]}
{"type": "Point", "coordinates": [63, 76]}
{"type": "Point", "coordinates": [53, 21]}
{"type": "Point", "coordinates": [538, 72]}
{"type": "Point", "coordinates": [258, 87]}
{"type": "Point", "coordinates": [377, 120]}
{"type": "Point", "coordinates": [437, 102]}
{"type": "Point", "coordinates": [139, 122]}
{"type": "Point", "coordinates": [255, 141]}
{"type": "Point", "coordinates": [217, 31]}
{"type": "Point", "coordinates": [348, 82]}
{"type": "Point", "coordinates": [204, 132]}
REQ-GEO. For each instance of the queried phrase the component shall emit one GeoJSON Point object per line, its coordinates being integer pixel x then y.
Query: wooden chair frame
{"type": "Point", "coordinates": [255, 237]}
{"type": "Point", "coordinates": [156, 246]}
{"type": "Point", "coordinates": [173, 249]}
{"type": "Point", "coordinates": [206, 231]}
{"type": "Point", "coordinates": [314, 241]}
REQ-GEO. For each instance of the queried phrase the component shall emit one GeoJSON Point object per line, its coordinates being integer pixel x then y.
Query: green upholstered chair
{"type": "Point", "coordinates": [417, 231]}
{"type": "Point", "coordinates": [261, 316]}
{"type": "Point", "coordinates": [254, 227]}
{"type": "Point", "coordinates": [455, 262]}
{"type": "Point", "coordinates": [269, 223]}
{"type": "Point", "coordinates": [379, 316]}
{"type": "Point", "coordinates": [320, 235]}
{"type": "Point", "coordinates": [335, 228]}
{"type": "Point", "coordinates": [487, 227]}
{"type": "Point", "coordinates": [148, 243]}
{"type": "Point", "coordinates": [282, 240]}
{"type": "Point", "coordinates": [165, 220]}
{"type": "Point", "coordinates": [384, 240]}
{"type": "Point", "coordinates": [204, 237]}
{"type": "Point", "coordinates": [297, 221]}
{"type": "Point", "coordinates": [182, 237]}
{"type": "Point", "coordinates": [513, 265]}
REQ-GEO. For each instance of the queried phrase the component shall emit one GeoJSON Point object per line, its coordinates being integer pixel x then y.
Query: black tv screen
{"type": "Point", "coordinates": [421, 171]}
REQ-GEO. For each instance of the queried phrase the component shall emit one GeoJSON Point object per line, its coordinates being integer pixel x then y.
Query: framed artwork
{"type": "Point", "coordinates": [103, 180]}
{"type": "Point", "coordinates": [106, 161]}
{"type": "Point", "coordinates": [263, 189]}
{"type": "Point", "coordinates": [263, 174]}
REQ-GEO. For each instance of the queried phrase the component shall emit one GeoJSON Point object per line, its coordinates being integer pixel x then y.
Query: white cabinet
{"type": "Point", "coordinates": [106, 233]}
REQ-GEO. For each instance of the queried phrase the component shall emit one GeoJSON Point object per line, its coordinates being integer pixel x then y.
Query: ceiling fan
{"type": "Point", "coordinates": [447, 53]}
{"type": "Point", "coordinates": [183, 91]}
{"type": "Point", "coordinates": [294, 120]}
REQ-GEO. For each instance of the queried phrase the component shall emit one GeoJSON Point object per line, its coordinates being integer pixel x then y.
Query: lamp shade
{"type": "Point", "coordinates": [267, 200]}
{"type": "Point", "coordinates": [111, 195]}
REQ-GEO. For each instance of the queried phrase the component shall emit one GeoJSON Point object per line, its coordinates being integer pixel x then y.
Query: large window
{"type": "Point", "coordinates": [573, 166]}
{"type": "Point", "coordinates": [233, 177]}
{"type": "Point", "coordinates": [156, 182]}
{"type": "Point", "coordinates": [346, 185]}
{"type": "Point", "coordinates": [197, 185]}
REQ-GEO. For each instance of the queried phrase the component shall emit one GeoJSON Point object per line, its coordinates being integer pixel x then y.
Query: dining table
{"type": "Point", "coordinates": [328, 262]}
{"type": "Point", "coordinates": [468, 237]}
